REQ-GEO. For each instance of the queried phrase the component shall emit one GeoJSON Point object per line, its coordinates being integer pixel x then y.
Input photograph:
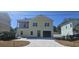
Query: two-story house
{"type": "Point", "coordinates": [39, 26]}
{"type": "Point", "coordinates": [70, 26]}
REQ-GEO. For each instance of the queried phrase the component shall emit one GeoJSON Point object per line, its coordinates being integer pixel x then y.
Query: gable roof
{"type": "Point", "coordinates": [41, 16]}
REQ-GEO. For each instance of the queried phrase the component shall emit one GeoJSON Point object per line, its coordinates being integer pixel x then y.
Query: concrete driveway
{"type": "Point", "coordinates": [42, 43]}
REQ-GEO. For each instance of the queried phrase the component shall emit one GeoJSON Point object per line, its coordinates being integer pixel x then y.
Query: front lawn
{"type": "Point", "coordinates": [74, 43]}
{"type": "Point", "coordinates": [13, 43]}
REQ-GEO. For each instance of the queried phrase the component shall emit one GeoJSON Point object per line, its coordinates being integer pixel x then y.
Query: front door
{"type": "Point", "coordinates": [38, 33]}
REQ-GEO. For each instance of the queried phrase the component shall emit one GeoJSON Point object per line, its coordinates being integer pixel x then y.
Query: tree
{"type": "Point", "coordinates": [76, 28]}
{"type": "Point", "coordinates": [59, 29]}
{"type": "Point", "coordinates": [13, 30]}
{"type": "Point", "coordinates": [54, 28]}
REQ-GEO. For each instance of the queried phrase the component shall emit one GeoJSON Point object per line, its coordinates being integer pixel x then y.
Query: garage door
{"type": "Point", "coordinates": [46, 33]}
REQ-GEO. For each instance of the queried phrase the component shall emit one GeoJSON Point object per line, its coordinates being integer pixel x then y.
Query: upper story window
{"type": "Point", "coordinates": [46, 24]}
{"type": "Point", "coordinates": [24, 25]}
{"type": "Point", "coordinates": [35, 24]}
{"type": "Point", "coordinates": [27, 24]}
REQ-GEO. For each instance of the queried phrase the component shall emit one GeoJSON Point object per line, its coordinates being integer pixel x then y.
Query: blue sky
{"type": "Point", "coordinates": [56, 16]}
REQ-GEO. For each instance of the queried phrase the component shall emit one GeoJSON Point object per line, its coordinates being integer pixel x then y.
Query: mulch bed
{"type": "Point", "coordinates": [13, 43]}
{"type": "Point", "coordinates": [74, 43]}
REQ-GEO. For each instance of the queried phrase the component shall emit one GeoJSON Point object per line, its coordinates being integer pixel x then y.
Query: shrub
{"type": "Point", "coordinates": [7, 36]}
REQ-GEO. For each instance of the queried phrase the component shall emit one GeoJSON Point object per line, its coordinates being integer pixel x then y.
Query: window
{"type": "Point", "coordinates": [34, 24]}
{"type": "Point", "coordinates": [70, 25]}
{"type": "Point", "coordinates": [46, 24]}
{"type": "Point", "coordinates": [21, 33]}
{"type": "Point", "coordinates": [26, 25]}
{"type": "Point", "coordinates": [66, 27]}
{"type": "Point", "coordinates": [31, 32]}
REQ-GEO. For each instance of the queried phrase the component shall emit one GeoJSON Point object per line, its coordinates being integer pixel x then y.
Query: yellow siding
{"type": "Point", "coordinates": [40, 26]}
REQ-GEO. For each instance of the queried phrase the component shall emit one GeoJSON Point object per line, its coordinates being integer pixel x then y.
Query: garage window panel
{"type": "Point", "coordinates": [46, 33]}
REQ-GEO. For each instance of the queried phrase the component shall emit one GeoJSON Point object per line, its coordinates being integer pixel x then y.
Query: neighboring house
{"type": "Point", "coordinates": [4, 22]}
{"type": "Point", "coordinates": [70, 26]}
{"type": "Point", "coordinates": [39, 26]}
